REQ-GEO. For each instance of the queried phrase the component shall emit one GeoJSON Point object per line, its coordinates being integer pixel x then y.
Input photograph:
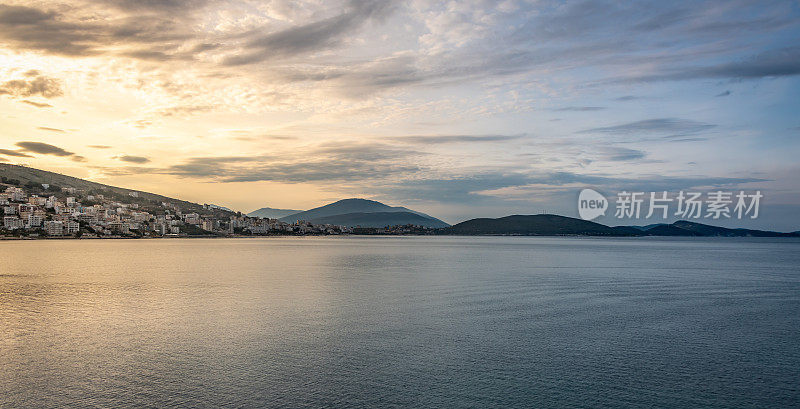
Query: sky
{"type": "Point", "coordinates": [458, 109]}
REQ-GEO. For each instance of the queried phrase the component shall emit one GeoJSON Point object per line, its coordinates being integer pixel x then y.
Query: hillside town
{"type": "Point", "coordinates": [44, 210]}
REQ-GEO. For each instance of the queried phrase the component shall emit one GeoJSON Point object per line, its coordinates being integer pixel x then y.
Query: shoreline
{"type": "Point", "coordinates": [11, 238]}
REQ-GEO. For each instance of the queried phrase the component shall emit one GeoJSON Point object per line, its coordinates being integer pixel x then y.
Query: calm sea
{"type": "Point", "coordinates": [400, 322]}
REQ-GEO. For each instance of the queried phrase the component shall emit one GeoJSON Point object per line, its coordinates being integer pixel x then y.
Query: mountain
{"type": "Point", "coordinates": [270, 213]}
{"type": "Point", "coordinates": [708, 230]}
{"type": "Point", "coordinates": [367, 213]}
{"type": "Point", "coordinates": [669, 230]}
{"type": "Point", "coordinates": [379, 219]}
{"type": "Point", "coordinates": [553, 225]}
{"type": "Point", "coordinates": [538, 225]}
{"type": "Point", "coordinates": [648, 227]}
{"type": "Point", "coordinates": [351, 206]}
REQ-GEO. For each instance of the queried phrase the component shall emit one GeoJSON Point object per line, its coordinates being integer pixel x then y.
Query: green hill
{"type": "Point", "coordinates": [553, 225]}
{"type": "Point", "coordinates": [538, 225]}
{"type": "Point", "coordinates": [708, 230]}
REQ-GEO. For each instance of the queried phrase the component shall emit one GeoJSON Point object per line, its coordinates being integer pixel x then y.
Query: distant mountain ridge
{"type": "Point", "coordinates": [709, 230]}
{"type": "Point", "coordinates": [361, 207]}
{"type": "Point", "coordinates": [379, 219]}
{"type": "Point", "coordinates": [370, 213]}
{"type": "Point", "coordinates": [649, 226]}
{"type": "Point", "coordinates": [538, 225]}
{"type": "Point", "coordinates": [270, 213]}
{"type": "Point", "coordinates": [554, 225]}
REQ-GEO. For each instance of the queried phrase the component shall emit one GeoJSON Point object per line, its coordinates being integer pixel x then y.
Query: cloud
{"type": "Point", "coordinates": [456, 189]}
{"type": "Point", "coordinates": [36, 104]}
{"type": "Point", "coordinates": [245, 138]}
{"type": "Point", "coordinates": [43, 148]}
{"type": "Point", "coordinates": [142, 30]}
{"type": "Point", "coordinates": [347, 162]}
{"type": "Point", "coordinates": [100, 146]}
{"type": "Point", "coordinates": [452, 44]}
{"type": "Point", "coordinates": [667, 127]}
{"type": "Point", "coordinates": [140, 123]}
{"type": "Point", "coordinates": [34, 29]}
{"type": "Point", "coordinates": [774, 63]}
{"type": "Point", "coordinates": [322, 34]}
{"type": "Point", "coordinates": [20, 16]}
{"type": "Point", "coordinates": [485, 188]}
{"type": "Point", "coordinates": [44, 128]}
{"type": "Point", "coordinates": [617, 154]}
{"type": "Point", "coordinates": [723, 94]}
{"type": "Point", "coordinates": [155, 6]}
{"type": "Point", "coordinates": [342, 163]}
{"type": "Point", "coordinates": [784, 62]}
{"type": "Point", "coordinates": [277, 137]}
{"type": "Point", "coordinates": [437, 139]}
{"type": "Point", "coordinates": [41, 85]}
{"type": "Point", "coordinates": [133, 159]}
{"type": "Point", "coordinates": [183, 110]}
{"type": "Point", "coordinates": [579, 109]}
{"type": "Point", "coordinates": [18, 154]}
{"type": "Point", "coordinates": [46, 149]}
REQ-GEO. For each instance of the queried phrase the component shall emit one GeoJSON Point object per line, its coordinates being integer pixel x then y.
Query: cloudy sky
{"type": "Point", "coordinates": [459, 109]}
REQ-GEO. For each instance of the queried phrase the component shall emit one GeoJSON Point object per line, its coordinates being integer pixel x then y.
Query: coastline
{"type": "Point", "coordinates": [645, 237]}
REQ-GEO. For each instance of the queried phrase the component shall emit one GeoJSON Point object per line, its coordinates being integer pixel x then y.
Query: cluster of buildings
{"type": "Point", "coordinates": [77, 213]}
{"type": "Point", "coordinates": [74, 213]}
{"type": "Point", "coordinates": [256, 225]}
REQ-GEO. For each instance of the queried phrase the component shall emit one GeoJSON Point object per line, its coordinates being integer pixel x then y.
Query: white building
{"type": "Point", "coordinates": [88, 218]}
{"type": "Point", "coordinates": [13, 223]}
{"type": "Point", "coordinates": [192, 218]}
{"type": "Point", "coordinates": [141, 216]}
{"type": "Point", "coordinates": [34, 220]}
{"type": "Point", "coordinates": [260, 229]}
{"type": "Point", "coordinates": [15, 194]}
{"type": "Point", "coordinates": [26, 208]}
{"type": "Point", "coordinates": [71, 227]}
{"type": "Point", "coordinates": [119, 227]}
{"type": "Point", "coordinates": [54, 228]}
